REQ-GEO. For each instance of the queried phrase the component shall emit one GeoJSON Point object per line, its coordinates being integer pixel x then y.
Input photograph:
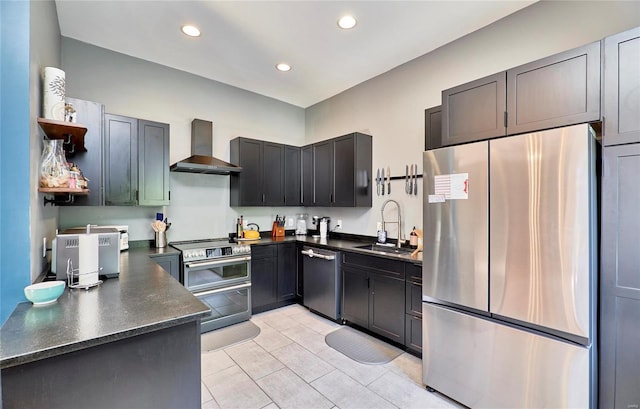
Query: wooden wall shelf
{"type": "Point", "coordinates": [71, 133]}
{"type": "Point", "coordinates": [60, 192]}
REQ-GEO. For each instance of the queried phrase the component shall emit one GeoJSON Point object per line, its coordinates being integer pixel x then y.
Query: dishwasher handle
{"type": "Point", "coordinates": [310, 253]}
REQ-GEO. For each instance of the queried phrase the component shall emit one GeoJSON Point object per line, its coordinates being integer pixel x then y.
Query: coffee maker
{"type": "Point", "coordinates": [317, 222]}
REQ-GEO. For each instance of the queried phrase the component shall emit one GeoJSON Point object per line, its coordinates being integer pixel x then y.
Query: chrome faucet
{"type": "Point", "coordinates": [399, 222]}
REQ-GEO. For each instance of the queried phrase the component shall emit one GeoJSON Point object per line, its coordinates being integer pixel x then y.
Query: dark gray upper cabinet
{"type": "Point", "coordinates": [433, 127]}
{"type": "Point", "coordinates": [323, 173]}
{"type": "Point", "coordinates": [342, 171]}
{"type": "Point", "coordinates": [153, 163]}
{"type": "Point", "coordinates": [261, 182]}
{"type": "Point", "coordinates": [474, 111]}
{"type": "Point", "coordinates": [120, 160]}
{"type": "Point", "coordinates": [292, 176]}
{"type": "Point", "coordinates": [273, 174]}
{"type": "Point", "coordinates": [307, 175]}
{"type": "Point", "coordinates": [136, 162]}
{"type": "Point", "coordinates": [90, 114]}
{"type": "Point", "coordinates": [560, 90]}
{"type": "Point", "coordinates": [621, 88]}
{"type": "Point", "coordinates": [335, 172]}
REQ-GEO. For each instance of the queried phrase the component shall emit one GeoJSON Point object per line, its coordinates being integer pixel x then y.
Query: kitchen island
{"type": "Point", "coordinates": [133, 341]}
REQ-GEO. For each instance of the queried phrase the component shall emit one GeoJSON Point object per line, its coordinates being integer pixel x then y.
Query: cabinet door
{"type": "Point", "coordinates": [263, 282]}
{"type": "Point", "coordinates": [560, 90]}
{"type": "Point", "coordinates": [120, 160]}
{"type": "Point", "coordinates": [386, 308]}
{"type": "Point", "coordinates": [433, 128]}
{"type": "Point", "coordinates": [307, 175]}
{"type": "Point", "coordinates": [273, 174]}
{"type": "Point", "coordinates": [413, 333]}
{"type": "Point", "coordinates": [90, 114]}
{"type": "Point", "coordinates": [619, 278]}
{"type": "Point", "coordinates": [474, 111]}
{"type": "Point", "coordinates": [292, 178]}
{"type": "Point", "coordinates": [323, 173]}
{"type": "Point", "coordinates": [153, 163]}
{"type": "Point", "coordinates": [355, 296]}
{"type": "Point", "coordinates": [344, 184]}
{"type": "Point", "coordinates": [287, 271]}
{"type": "Point", "coordinates": [170, 264]}
{"type": "Point", "coordinates": [622, 88]}
{"type": "Point", "coordinates": [246, 187]}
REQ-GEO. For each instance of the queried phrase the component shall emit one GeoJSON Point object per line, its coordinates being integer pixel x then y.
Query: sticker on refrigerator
{"type": "Point", "coordinates": [451, 187]}
{"type": "Point", "coordinates": [436, 198]}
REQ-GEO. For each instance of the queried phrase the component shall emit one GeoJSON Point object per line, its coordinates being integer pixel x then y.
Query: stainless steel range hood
{"type": "Point", "coordinates": [201, 159]}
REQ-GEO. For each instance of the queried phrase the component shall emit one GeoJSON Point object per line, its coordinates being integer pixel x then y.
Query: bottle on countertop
{"type": "Point", "coordinates": [413, 238]}
{"type": "Point", "coordinates": [239, 228]}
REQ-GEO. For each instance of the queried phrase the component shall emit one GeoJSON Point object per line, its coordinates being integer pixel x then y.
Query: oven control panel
{"type": "Point", "coordinates": [215, 252]}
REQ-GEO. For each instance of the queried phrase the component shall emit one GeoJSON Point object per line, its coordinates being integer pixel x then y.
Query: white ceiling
{"type": "Point", "coordinates": [242, 41]}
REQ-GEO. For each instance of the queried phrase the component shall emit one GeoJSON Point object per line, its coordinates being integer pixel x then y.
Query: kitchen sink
{"type": "Point", "coordinates": [386, 249]}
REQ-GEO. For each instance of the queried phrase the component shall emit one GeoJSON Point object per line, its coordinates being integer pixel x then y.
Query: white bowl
{"type": "Point", "coordinates": [46, 292]}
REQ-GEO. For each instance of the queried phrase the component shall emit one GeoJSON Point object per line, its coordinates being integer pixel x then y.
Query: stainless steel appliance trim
{"type": "Point", "coordinates": [540, 228]}
{"type": "Point", "coordinates": [455, 261]}
{"type": "Point", "coordinates": [223, 289]}
{"type": "Point", "coordinates": [230, 260]}
{"type": "Point", "coordinates": [483, 363]}
{"type": "Point", "coordinates": [310, 253]}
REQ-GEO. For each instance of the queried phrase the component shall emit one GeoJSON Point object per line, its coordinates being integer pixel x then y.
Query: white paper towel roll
{"type": "Point", "coordinates": [53, 93]}
{"type": "Point", "coordinates": [88, 259]}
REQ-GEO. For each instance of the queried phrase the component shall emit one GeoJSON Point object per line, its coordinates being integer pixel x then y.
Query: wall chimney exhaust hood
{"type": "Point", "coordinates": [201, 159]}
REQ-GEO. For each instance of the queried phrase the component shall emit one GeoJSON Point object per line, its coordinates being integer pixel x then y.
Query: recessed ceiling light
{"type": "Point", "coordinates": [283, 67]}
{"type": "Point", "coordinates": [191, 31]}
{"type": "Point", "coordinates": [347, 22]}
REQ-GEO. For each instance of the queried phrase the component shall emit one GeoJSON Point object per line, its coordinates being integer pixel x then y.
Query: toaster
{"type": "Point", "coordinates": [66, 246]}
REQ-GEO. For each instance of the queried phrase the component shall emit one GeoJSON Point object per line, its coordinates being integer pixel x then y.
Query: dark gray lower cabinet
{"type": "Point", "coordinates": [170, 263]}
{"type": "Point", "coordinates": [273, 275]}
{"type": "Point", "coordinates": [619, 362]}
{"type": "Point", "coordinates": [373, 294]}
{"type": "Point", "coordinates": [413, 308]}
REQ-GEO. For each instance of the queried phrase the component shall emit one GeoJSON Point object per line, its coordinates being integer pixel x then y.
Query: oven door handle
{"type": "Point", "coordinates": [219, 290]}
{"type": "Point", "coordinates": [218, 262]}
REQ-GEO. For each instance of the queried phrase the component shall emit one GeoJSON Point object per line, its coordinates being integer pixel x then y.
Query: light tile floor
{"type": "Point", "coordinates": [289, 365]}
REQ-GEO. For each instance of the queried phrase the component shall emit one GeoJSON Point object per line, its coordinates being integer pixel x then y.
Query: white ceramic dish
{"type": "Point", "coordinates": [44, 293]}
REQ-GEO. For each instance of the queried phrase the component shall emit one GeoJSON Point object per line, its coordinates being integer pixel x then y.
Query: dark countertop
{"type": "Point", "coordinates": [143, 299]}
{"type": "Point", "coordinates": [341, 244]}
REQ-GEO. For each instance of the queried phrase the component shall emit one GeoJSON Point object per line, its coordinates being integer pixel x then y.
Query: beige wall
{"type": "Point", "coordinates": [391, 106]}
{"type": "Point", "coordinates": [133, 87]}
{"type": "Point", "coordinates": [44, 52]}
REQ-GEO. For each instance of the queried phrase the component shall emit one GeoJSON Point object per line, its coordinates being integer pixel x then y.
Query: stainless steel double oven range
{"type": "Point", "coordinates": [219, 274]}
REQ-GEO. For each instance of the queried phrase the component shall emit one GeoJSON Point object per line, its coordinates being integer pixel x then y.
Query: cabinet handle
{"type": "Point", "coordinates": [263, 198]}
{"type": "Point", "coordinates": [506, 118]}
{"type": "Point", "coordinates": [137, 196]}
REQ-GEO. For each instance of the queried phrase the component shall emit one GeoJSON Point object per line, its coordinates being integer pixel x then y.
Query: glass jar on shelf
{"type": "Point", "coordinates": [54, 170]}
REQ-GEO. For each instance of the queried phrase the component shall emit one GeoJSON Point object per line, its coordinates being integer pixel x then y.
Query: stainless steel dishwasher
{"type": "Point", "coordinates": [321, 281]}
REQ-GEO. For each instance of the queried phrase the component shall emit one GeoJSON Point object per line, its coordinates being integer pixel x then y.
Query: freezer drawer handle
{"type": "Point", "coordinates": [310, 253]}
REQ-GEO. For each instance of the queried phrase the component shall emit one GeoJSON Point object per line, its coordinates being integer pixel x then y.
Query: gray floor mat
{"type": "Point", "coordinates": [227, 336]}
{"type": "Point", "coordinates": [361, 347]}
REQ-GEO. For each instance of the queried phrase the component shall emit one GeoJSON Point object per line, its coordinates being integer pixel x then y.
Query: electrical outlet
{"type": "Point", "coordinates": [338, 224]}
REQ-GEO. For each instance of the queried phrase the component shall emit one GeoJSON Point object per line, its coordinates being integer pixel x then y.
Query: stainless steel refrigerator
{"type": "Point", "coordinates": [509, 270]}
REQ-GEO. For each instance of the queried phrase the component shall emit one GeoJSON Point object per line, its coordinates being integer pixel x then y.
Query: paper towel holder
{"type": "Point", "coordinates": [73, 277]}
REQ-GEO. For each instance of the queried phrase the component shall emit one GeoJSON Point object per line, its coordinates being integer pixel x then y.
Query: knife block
{"type": "Point", "coordinates": [277, 230]}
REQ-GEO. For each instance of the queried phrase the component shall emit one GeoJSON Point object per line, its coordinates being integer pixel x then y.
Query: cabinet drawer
{"type": "Point", "coordinates": [378, 265]}
{"type": "Point", "coordinates": [262, 251]}
{"type": "Point", "coordinates": [414, 273]}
